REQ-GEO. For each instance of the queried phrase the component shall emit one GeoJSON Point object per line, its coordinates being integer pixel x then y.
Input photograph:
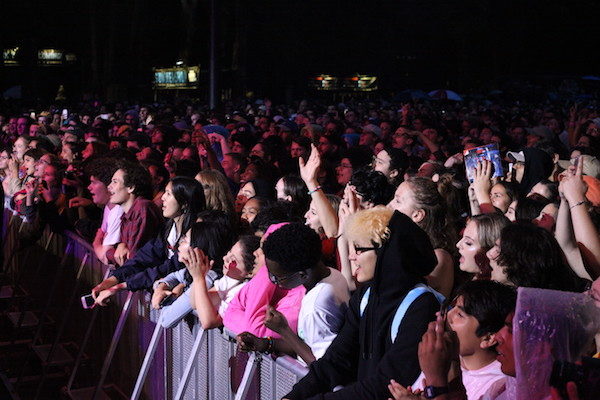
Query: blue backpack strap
{"type": "Point", "coordinates": [415, 293]}
{"type": "Point", "coordinates": [364, 300]}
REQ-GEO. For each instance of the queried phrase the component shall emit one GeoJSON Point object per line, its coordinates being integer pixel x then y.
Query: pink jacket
{"type": "Point", "coordinates": [246, 312]}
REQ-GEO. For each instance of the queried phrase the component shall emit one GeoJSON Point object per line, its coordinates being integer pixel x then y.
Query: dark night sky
{"type": "Point", "coordinates": [271, 44]}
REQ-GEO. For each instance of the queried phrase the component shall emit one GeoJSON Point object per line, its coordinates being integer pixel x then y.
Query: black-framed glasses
{"type": "Point", "coordinates": [278, 281]}
{"type": "Point", "coordinates": [360, 250]}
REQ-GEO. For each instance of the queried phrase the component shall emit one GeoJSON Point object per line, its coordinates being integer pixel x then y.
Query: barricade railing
{"type": "Point", "coordinates": [183, 362]}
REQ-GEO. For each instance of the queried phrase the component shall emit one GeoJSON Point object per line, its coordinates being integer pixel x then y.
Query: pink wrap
{"type": "Point", "coordinates": [246, 312]}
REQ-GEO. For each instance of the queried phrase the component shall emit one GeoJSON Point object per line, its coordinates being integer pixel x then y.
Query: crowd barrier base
{"type": "Point", "coordinates": [183, 362]}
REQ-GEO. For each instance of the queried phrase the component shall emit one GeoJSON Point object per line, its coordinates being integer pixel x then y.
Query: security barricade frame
{"type": "Point", "coordinates": [217, 370]}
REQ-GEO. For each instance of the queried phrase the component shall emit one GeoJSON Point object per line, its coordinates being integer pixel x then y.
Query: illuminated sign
{"type": "Point", "coordinates": [50, 57]}
{"type": "Point", "coordinates": [324, 82]}
{"type": "Point", "coordinates": [176, 78]}
{"type": "Point", "coordinates": [361, 83]}
{"type": "Point", "coordinates": [9, 56]}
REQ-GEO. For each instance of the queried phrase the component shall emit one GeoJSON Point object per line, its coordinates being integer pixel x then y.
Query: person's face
{"type": "Point", "coordinates": [312, 218]}
{"type": "Point", "coordinates": [250, 173]}
{"type": "Point", "coordinates": [404, 201]}
{"type": "Point", "coordinates": [4, 157]}
{"type": "Point", "coordinates": [498, 273]}
{"type": "Point", "coordinates": [279, 188]}
{"type": "Point", "coordinates": [33, 130]}
{"type": "Point", "coordinates": [99, 191]}
{"type": "Point", "coordinates": [157, 137]}
{"type": "Point", "coordinates": [130, 120]}
{"type": "Point", "coordinates": [511, 211]}
{"type": "Point", "coordinates": [144, 154]}
{"type": "Point", "coordinates": [170, 206]}
{"type": "Point", "coordinates": [143, 113]}
{"type": "Point", "coordinates": [85, 119]}
{"type": "Point", "coordinates": [237, 147]}
{"type": "Point", "coordinates": [183, 247]}
{"type": "Point", "coordinates": [69, 137]}
{"type": "Point", "coordinates": [19, 148]}
{"type": "Point", "coordinates": [382, 163]}
{"type": "Point", "coordinates": [517, 134]}
{"type": "Point", "coordinates": [233, 263]}
{"type": "Point", "coordinates": [324, 146]}
{"type": "Point", "coordinates": [188, 154]}
{"type": "Point", "coordinates": [593, 130]}
{"type": "Point", "coordinates": [250, 210]}
{"type": "Point", "coordinates": [469, 249]}
{"type": "Point", "coordinates": [66, 154]}
{"type": "Point", "coordinates": [50, 176]}
{"type": "Point", "coordinates": [506, 356]}
{"type": "Point", "coordinates": [29, 165]}
{"type": "Point", "coordinates": [119, 193]}
{"type": "Point", "coordinates": [343, 172]}
{"type": "Point", "coordinates": [500, 198]}
{"type": "Point", "coordinates": [283, 278]}
{"type": "Point", "coordinates": [431, 134]}
{"type": "Point", "coordinates": [229, 166]}
{"type": "Point", "coordinates": [465, 326]}
{"type": "Point", "coordinates": [258, 151]}
{"type": "Point", "coordinates": [583, 141]}
{"type": "Point", "coordinates": [22, 126]}
{"type": "Point", "coordinates": [363, 260]}
{"type": "Point", "coordinates": [297, 151]}
{"type": "Point", "coordinates": [386, 129]}
{"type": "Point", "coordinates": [366, 139]}
{"type": "Point", "coordinates": [40, 166]}
{"type": "Point", "coordinates": [486, 135]}
{"type": "Point", "coordinates": [176, 154]}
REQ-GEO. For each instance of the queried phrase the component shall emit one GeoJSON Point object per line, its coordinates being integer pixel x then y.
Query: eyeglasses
{"type": "Point", "coordinates": [278, 281]}
{"type": "Point", "coordinates": [360, 250]}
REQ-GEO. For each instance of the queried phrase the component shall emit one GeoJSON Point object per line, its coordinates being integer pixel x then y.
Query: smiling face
{"type": "Point", "coordinates": [170, 206]}
{"type": "Point", "coordinates": [469, 249]}
{"type": "Point", "coordinates": [363, 260]}
{"type": "Point", "coordinates": [119, 193]}
{"type": "Point", "coordinates": [250, 210]}
{"type": "Point", "coordinates": [233, 263]}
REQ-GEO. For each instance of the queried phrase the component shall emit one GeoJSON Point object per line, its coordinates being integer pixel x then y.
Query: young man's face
{"type": "Point", "coordinates": [504, 348]}
{"type": "Point", "coordinates": [119, 193]}
{"type": "Point", "coordinates": [465, 326]}
{"type": "Point", "coordinates": [282, 278]}
{"type": "Point", "coordinates": [99, 191]}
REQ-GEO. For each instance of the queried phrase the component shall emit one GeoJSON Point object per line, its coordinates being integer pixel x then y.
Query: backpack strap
{"type": "Point", "coordinates": [414, 294]}
{"type": "Point", "coordinates": [364, 300]}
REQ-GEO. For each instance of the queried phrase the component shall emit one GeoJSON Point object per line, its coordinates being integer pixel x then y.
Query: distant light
{"type": "Point", "coordinates": [179, 62]}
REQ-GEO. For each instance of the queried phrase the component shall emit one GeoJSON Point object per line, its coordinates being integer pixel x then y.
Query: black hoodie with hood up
{"type": "Point", "coordinates": [362, 357]}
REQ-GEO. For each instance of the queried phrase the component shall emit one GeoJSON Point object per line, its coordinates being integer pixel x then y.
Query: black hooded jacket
{"type": "Point", "coordinates": [362, 357]}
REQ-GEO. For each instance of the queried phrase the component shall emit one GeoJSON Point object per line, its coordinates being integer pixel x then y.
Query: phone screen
{"type": "Point", "coordinates": [87, 301]}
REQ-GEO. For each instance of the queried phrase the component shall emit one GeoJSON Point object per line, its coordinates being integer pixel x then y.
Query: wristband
{"type": "Point", "coordinates": [431, 392]}
{"type": "Point", "coordinates": [271, 343]}
{"type": "Point", "coordinates": [577, 204]}
{"type": "Point", "coordinates": [315, 190]}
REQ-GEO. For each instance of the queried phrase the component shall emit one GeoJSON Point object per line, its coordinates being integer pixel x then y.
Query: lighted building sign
{"type": "Point", "coordinates": [9, 56]}
{"type": "Point", "coordinates": [355, 83]}
{"type": "Point", "coordinates": [361, 83]}
{"type": "Point", "coordinates": [176, 78]}
{"type": "Point", "coordinates": [324, 82]}
{"type": "Point", "coordinates": [50, 57]}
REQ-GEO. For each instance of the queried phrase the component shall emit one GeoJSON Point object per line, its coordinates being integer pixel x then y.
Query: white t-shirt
{"type": "Point", "coordinates": [479, 383]}
{"type": "Point", "coordinates": [322, 312]}
{"type": "Point", "coordinates": [111, 224]}
{"type": "Point", "coordinates": [172, 241]}
{"type": "Point", "coordinates": [227, 288]}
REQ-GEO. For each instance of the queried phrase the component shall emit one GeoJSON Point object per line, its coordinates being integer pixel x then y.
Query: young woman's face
{"type": "Point", "coordinates": [184, 246]}
{"type": "Point", "coordinates": [404, 200]}
{"type": "Point", "coordinates": [343, 172]}
{"type": "Point", "coordinates": [170, 206]}
{"type": "Point", "coordinates": [280, 189]}
{"type": "Point", "coordinates": [510, 212]}
{"type": "Point", "coordinates": [250, 210]}
{"type": "Point", "coordinates": [233, 263]}
{"type": "Point", "coordinates": [312, 219]}
{"type": "Point", "coordinates": [4, 157]}
{"type": "Point", "coordinates": [29, 165]}
{"type": "Point", "coordinates": [469, 248]}
{"type": "Point", "coordinates": [363, 257]}
{"type": "Point", "coordinates": [500, 198]}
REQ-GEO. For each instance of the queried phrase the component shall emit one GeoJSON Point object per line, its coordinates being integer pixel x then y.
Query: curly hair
{"type": "Point", "coordinates": [101, 168]}
{"type": "Point", "coordinates": [372, 186]}
{"type": "Point", "coordinates": [369, 225]}
{"type": "Point", "coordinates": [295, 247]}
{"type": "Point", "coordinates": [137, 177]}
{"type": "Point", "coordinates": [532, 257]}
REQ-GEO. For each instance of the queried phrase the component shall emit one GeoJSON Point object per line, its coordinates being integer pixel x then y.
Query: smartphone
{"type": "Point", "coordinates": [65, 113]}
{"type": "Point", "coordinates": [167, 301]}
{"type": "Point", "coordinates": [87, 301]}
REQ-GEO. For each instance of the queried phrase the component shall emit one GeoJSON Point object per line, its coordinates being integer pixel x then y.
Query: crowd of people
{"type": "Point", "coordinates": [349, 236]}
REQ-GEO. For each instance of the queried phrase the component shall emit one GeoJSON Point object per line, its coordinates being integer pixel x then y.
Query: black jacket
{"type": "Point", "coordinates": [362, 357]}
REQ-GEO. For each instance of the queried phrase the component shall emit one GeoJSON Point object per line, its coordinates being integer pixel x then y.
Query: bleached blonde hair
{"type": "Point", "coordinates": [369, 225]}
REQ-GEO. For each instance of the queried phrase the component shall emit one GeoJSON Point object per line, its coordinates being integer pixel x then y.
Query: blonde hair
{"type": "Point", "coordinates": [369, 225]}
{"type": "Point", "coordinates": [216, 191]}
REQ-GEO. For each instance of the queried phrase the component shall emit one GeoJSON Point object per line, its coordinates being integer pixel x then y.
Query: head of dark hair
{"type": "Point", "coordinates": [239, 159]}
{"type": "Point", "coordinates": [249, 245]}
{"type": "Point", "coordinates": [358, 157]}
{"type": "Point", "coordinates": [398, 161]}
{"type": "Point", "coordinates": [101, 168]}
{"type": "Point", "coordinates": [275, 213]}
{"type": "Point", "coordinates": [512, 190]}
{"type": "Point", "coordinates": [190, 196]}
{"type": "Point", "coordinates": [295, 247]}
{"type": "Point", "coordinates": [186, 168]}
{"type": "Point", "coordinates": [161, 171]}
{"type": "Point", "coordinates": [295, 187]}
{"type": "Point", "coordinates": [532, 257]}
{"type": "Point", "coordinates": [136, 177]}
{"type": "Point", "coordinates": [214, 238]}
{"type": "Point", "coordinates": [36, 154]}
{"type": "Point", "coordinates": [245, 139]}
{"type": "Point", "coordinates": [372, 186]}
{"type": "Point", "coordinates": [530, 207]}
{"type": "Point", "coordinates": [489, 302]}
